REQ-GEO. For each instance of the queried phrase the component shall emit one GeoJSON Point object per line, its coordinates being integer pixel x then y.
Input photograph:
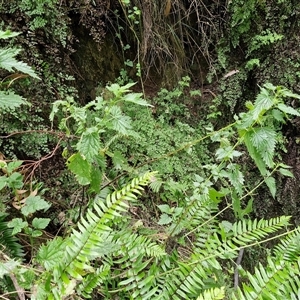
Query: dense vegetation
{"type": "Point", "coordinates": [149, 149]}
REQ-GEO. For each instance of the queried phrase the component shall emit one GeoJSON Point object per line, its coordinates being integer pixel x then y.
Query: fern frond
{"type": "Point", "coordinates": [279, 280]}
{"type": "Point", "coordinates": [92, 280]}
{"type": "Point", "coordinates": [213, 294]}
{"type": "Point", "coordinates": [9, 243]}
{"type": "Point", "coordinates": [289, 247]}
{"type": "Point", "coordinates": [246, 232]}
{"type": "Point", "coordinates": [92, 239]}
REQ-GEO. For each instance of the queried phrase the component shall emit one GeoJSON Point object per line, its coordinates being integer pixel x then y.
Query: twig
{"type": "Point", "coordinates": [19, 290]}
{"type": "Point", "coordinates": [236, 271]}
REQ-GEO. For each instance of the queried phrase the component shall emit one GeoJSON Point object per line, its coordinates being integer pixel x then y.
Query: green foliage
{"type": "Point", "coordinates": [101, 116]}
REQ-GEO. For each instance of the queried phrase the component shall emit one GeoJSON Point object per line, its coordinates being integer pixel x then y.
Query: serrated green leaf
{"type": "Point", "coordinates": [236, 177]}
{"type": "Point", "coordinates": [118, 121]}
{"type": "Point", "coordinates": [15, 180]}
{"type": "Point", "coordinates": [40, 223]}
{"type": "Point", "coordinates": [3, 182]}
{"type": "Point", "coordinates": [17, 224]}
{"type": "Point", "coordinates": [80, 167]}
{"type": "Point", "coordinates": [164, 219]}
{"type": "Point", "coordinates": [8, 267]}
{"type": "Point", "coordinates": [8, 34]}
{"type": "Point", "coordinates": [10, 100]}
{"type": "Point", "coordinates": [263, 102]}
{"type": "Point", "coordinates": [96, 179]}
{"type": "Point", "coordinates": [164, 208]}
{"type": "Point", "coordinates": [33, 204]}
{"type": "Point", "coordinates": [285, 172]}
{"type": "Point", "coordinates": [52, 253]}
{"type": "Point", "coordinates": [89, 144]}
{"type": "Point", "coordinates": [288, 109]}
{"type": "Point", "coordinates": [271, 183]}
{"type": "Point", "coordinates": [136, 98]}
{"type": "Point", "coordinates": [264, 140]}
{"type": "Point", "coordinates": [8, 62]}
{"type": "Point", "coordinates": [278, 115]}
{"type": "Point", "coordinates": [254, 153]}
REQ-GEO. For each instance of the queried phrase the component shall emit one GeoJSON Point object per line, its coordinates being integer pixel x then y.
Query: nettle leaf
{"type": "Point", "coordinates": [10, 100]}
{"type": "Point", "coordinates": [17, 224]}
{"type": "Point", "coordinates": [288, 109]}
{"type": "Point", "coordinates": [262, 103]}
{"type": "Point", "coordinates": [96, 179]}
{"type": "Point", "coordinates": [89, 144]}
{"type": "Point", "coordinates": [8, 62]}
{"type": "Point", "coordinates": [80, 167]}
{"type": "Point", "coordinates": [254, 153]}
{"type": "Point", "coordinates": [164, 219]}
{"type": "Point", "coordinates": [7, 34]}
{"type": "Point", "coordinates": [136, 98]}
{"type": "Point", "coordinates": [3, 182]}
{"type": "Point", "coordinates": [52, 253]}
{"type": "Point", "coordinates": [236, 177]}
{"type": "Point", "coordinates": [278, 115]}
{"type": "Point", "coordinates": [8, 267]}
{"type": "Point", "coordinates": [33, 204]}
{"type": "Point", "coordinates": [271, 183]}
{"type": "Point", "coordinates": [119, 121]}
{"type": "Point", "coordinates": [286, 172]}
{"type": "Point", "coordinates": [264, 140]}
{"type": "Point", "coordinates": [40, 223]}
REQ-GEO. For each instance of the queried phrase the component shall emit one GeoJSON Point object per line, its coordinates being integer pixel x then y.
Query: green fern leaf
{"type": "Point", "coordinates": [213, 294]}
{"type": "Point", "coordinates": [8, 242]}
{"type": "Point", "coordinates": [93, 235]}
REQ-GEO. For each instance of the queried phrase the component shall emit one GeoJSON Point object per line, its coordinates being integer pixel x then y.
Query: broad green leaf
{"type": "Point", "coordinates": [10, 100]}
{"type": "Point", "coordinates": [164, 219]}
{"type": "Point", "coordinates": [164, 208]}
{"type": "Point", "coordinates": [36, 233]}
{"type": "Point", "coordinates": [8, 34]}
{"type": "Point", "coordinates": [13, 166]}
{"type": "Point", "coordinates": [8, 62]}
{"type": "Point", "coordinates": [287, 93]}
{"type": "Point", "coordinates": [264, 140]}
{"type": "Point", "coordinates": [119, 160]}
{"type": "Point", "coordinates": [278, 115]}
{"type": "Point", "coordinates": [40, 223]}
{"type": "Point", "coordinates": [52, 253]}
{"type": "Point", "coordinates": [17, 224]}
{"type": "Point", "coordinates": [8, 267]}
{"type": "Point", "coordinates": [254, 153]}
{"type": "Point", "coordinates": [285, 172]}
{"type": "Point", "coordinates": [135, 98]}
{"type": "Point", "coordinates": [288, 109]}
{"type": "Point", "coordinates": [33, 204]}
{"type": "Point", "coordinates": [96, 179]}
{"type": "Point", "coordinates": [119, 121]}
{"type": "Point", "coordinates": [15, 180]}
{"type": "Point", "coordinates": [80, 167]}
{"type": "Point", "coordinates": [262, 103]}
{"type": "Point", "coordinates": [3, 182]}
{"type": "Point", "coordinates": [270, 182]}
{"type": "Point", "coordinates": [236, 177]}
{"type": "Point", "coordinates": [89, 144]}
